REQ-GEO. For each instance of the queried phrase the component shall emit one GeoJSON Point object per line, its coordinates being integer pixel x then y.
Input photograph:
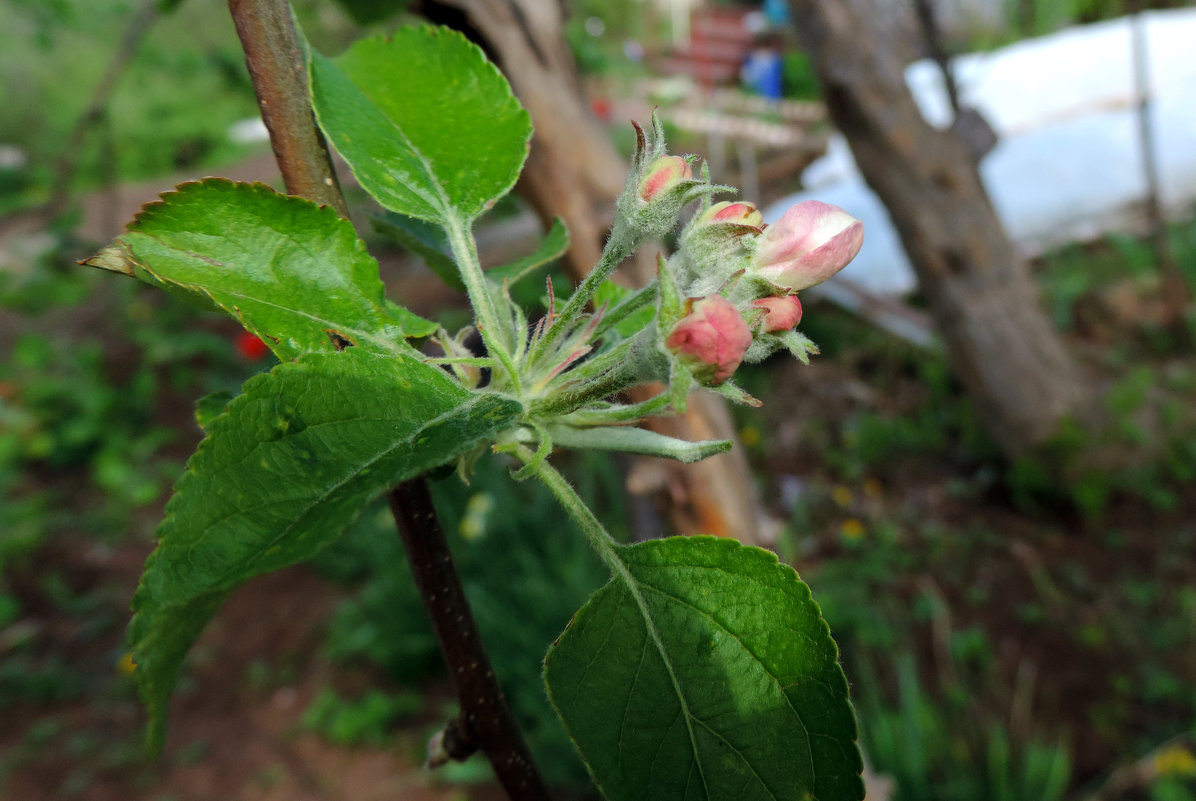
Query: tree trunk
{"type": "Point", "coordinates": [999, 341]}
{"type": "Point", "coordinates": [573, 171]}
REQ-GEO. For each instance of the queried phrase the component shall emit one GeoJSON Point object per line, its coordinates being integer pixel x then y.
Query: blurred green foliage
{"type": "Point", "coordinates": [360, 721]}
{"type": "Point", "coordinates": [52, 56]}
{"type": "Point", "coordinates": [798, 79]}
{"type": "Point", "coordinates": [924, 616]}
{"type": "Point", "coordinates": [96, 383]}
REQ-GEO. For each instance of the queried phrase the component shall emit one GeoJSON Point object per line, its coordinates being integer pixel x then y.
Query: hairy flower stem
{"type": "Point", "coordinates": [618, 247]}
{"type": "Point", "coordinates": [599, 538]}
{"type": "Point", "coordinates": [275, 61]}
{"type": "Point", "coordinates": [628, 364]}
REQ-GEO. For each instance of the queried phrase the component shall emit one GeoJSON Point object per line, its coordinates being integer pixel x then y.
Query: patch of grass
{"type": "Point", "coordinates": [367, 720]}
{"type": "Point", "coordinates": [72, 408]}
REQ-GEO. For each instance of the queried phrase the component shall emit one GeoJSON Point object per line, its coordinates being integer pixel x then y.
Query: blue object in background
{"type": "Point", "coordinates": [776, 12]}
{"type": "Point", "coordinates": [762, 73]}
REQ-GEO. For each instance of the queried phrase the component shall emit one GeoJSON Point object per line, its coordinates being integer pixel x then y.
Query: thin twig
{"type": "Point", "coordinates": [484, 713]}
{"type": "Point", "coordinates": [934, 45]}
{"type": "Point", "coordinates": [276, 65]}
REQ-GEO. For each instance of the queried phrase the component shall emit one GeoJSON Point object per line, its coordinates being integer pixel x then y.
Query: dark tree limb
{"type": "Point", "coordinates": [276, 65]}
{"type": "Point", "coordinates": [485, 721]}
{"type": "Point", "coordinates": [934, 45]}
{"type": "Point", "coordinates": [999, 341]}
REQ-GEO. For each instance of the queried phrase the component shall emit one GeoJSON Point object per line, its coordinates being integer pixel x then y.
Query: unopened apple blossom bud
{"type": "Point", "coordinates": [811, 242]}
{"type": "Point", "coordinates": [662, 174]}
{"type": "Point", "coordinates": [780, 313]}
{"type": "Point", "coordinates": [740, 212]}
{"type": "Point", "coordinates": [711, 339]}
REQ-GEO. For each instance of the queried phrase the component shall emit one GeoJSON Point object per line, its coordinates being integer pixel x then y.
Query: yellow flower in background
{"type": "Point", "coordinates": [749, 436]}
{"type": "Point", "coordinates": [1175, 760]}
{"type": "Point", "coordinates": [125, 666]}
{"type": "Point", "coordinates": [477, 508]}
{"type": "Point", "coordinates": [842, 495]}
{"type": "Point", "coordinates": [851, 529]}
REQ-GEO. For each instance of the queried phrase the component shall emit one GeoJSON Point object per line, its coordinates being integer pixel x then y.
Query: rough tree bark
{"type": "Point", "coordinates": [999, 341]}
{"type": "Point", "coordinates": [573, 171]}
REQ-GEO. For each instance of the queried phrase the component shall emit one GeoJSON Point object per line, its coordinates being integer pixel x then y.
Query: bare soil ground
{"type": "Point", "coordinates": [231, 736]}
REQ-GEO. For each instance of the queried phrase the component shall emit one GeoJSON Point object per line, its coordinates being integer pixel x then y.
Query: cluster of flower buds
{"type": "Point", "coordinates": [660, 186]}
{"type": "Point", "coordinates": [739, 278]}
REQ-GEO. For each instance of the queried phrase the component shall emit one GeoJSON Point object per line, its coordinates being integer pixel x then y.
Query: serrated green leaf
{"type": "Point", "coordinates": [552, 247]}
{"type": "Point", "coordinates": [705, 671]}
{"type": "Point", "coordinates": [414, 326]}
{"type": "Point", "coordinates": [281, 472]}
{"type": "Point", "coordinates": [210, 406]}
{"type": "Point", "coordinates": [292, 272]}
{"type": "Point", "coordinates": [428, 126]}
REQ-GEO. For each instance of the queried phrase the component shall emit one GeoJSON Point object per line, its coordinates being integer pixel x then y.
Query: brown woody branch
{"type": "Point", "coordinates": [276, 66]}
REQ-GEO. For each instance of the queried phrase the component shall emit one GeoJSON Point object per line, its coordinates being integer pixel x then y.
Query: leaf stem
{"type": "Point", "coordinates": [595, 532]}
{"type": "Point", "coordinates": [499, 337]}
{"type": "Point", "coordinates": [485, 718]}
{"type": "Point", "coordinates": [608, 551]}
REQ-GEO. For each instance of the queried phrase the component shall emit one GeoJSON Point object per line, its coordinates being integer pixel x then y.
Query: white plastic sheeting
{"type": "Point", "coordinates": [1068, 165]}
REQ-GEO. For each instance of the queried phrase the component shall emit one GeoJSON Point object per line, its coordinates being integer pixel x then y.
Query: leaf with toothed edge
{"type": "Point", "coordinates": [404, 111]}
{"type": "Point", "coordinates": [280, 473]}
{"type": "Point", "coordinates": [290, 271]}
{"type": "Point", "coordinates": [704, 672]}
{"type": "Point", "coordinates": [554, 245]}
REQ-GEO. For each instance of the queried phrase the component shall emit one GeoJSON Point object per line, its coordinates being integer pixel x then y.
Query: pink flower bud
{"type": "Point", "coordinates": [740, 213]}
{"type": "Point", "coordinates": [664, 173]}
{"type": "Point", "coordinates": [711, 339]}
{"type": "Point", "coordinates": [811, 242]}
{"type": "Point", "coordinates": [780, 313]}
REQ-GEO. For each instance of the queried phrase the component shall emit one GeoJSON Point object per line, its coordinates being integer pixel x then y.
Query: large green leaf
{"type": "Point", "coordinates": [428, 126]}
{"type": "Point", "coordinates": [292, 272]}
{"type": "Point", "coordinates": [551, 247]}
{"type": "Point", "coordinates": [705, 671]}
{"type": "Point", "coordinates": [286, 466]}
{"type": "Point", "coordinates": [429, 242]}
